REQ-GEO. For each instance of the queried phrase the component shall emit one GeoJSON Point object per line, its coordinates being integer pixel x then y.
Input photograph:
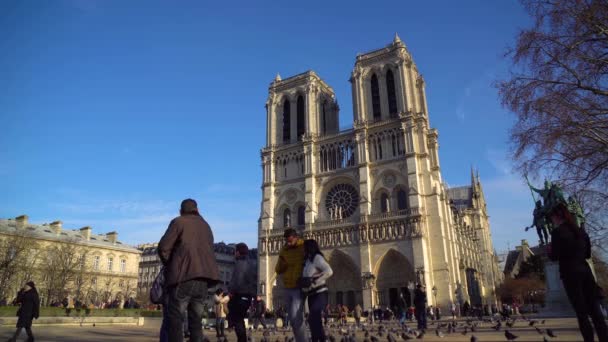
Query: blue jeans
{"type": "Point", "coordinates": [316, 303]}
{"type": "Point", "coordinates": [187, 295]}
{"type": "Point", "coordinates": [295, 309]}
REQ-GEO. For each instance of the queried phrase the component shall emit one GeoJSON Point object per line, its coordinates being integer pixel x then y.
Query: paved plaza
{"type": "Point", "coordinates": [564, 329]}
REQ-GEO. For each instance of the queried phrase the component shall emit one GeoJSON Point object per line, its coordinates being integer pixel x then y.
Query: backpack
{"type": "Point", "coordinates": [156, 290]}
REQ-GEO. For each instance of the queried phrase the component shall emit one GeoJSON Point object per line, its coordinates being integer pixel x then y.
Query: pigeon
{"type": "Point", "coordinates": [405, 337]}
{"type": "Point", "coordinates": [420, 335]}
{"type": "Point", "coordinates": [509, 336]}
{"type": "Point", "coordinates": [539, 331]}
{"type": "Point", "coordinates": [374, 338]}
{"type": "Point", "coordinates": [545, 339]}
{"type": "Point", "coordinates": [438, 333]}
{"type": "Point", "coordinates": [550, 333]}
{"type": "Point", "coordinates": [532, 322]}
{"type": "Point", "coordinates": [510, 323]}
{"type": "Point", "coordinates": [542, 322]}
{"type": "Point", "coordinates": [473, 338]}
{"type": "Point", "coordinates": [466, 330]}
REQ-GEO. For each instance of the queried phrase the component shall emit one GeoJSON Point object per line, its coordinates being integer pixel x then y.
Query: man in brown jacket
{"type": "Point", "coordinates": [186, 250]}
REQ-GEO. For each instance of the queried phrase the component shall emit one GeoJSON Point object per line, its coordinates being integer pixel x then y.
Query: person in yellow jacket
{"type": "Point", "coordinates": [289, 267]}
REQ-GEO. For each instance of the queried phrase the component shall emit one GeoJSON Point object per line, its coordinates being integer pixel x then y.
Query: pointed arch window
{"type": "Point", "coordinates": [300, 117]}
{"type": "Point", "coordinates": [384, 203]}
{"type": "Point", "coordinates": [286, 121]}
{"type": "Point", "coordinates": [401, 199]}
{"type": "Point", "coordinates": [392, 95]}
{"type": "Point", "coordinates": [301, 215]}
{"type": "Point", "coordinates": [286, 217]}
{"type": "Point", "coordinates": [375, 97]}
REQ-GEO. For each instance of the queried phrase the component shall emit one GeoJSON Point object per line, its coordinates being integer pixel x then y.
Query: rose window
{"type": "Point", "coordinates": [342, 201]}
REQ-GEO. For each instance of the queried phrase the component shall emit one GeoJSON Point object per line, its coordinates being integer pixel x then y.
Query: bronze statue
{"type": "Point", "coordinates": [540, 223]}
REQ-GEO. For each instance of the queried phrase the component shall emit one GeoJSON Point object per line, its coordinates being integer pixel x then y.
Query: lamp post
{"type": "Point", "coordinates": [435, 294]}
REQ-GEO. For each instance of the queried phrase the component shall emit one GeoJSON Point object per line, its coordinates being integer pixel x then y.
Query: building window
{"type": "Point", "coordinates": [110, 263]}
{"type": "Point", "coordinates": [287, 217]}
{"type": "Point", "coordinates": [401, 200]}
{"type": "Point", "coordinates": [123, 265]}
{"type": "Point", "coordinates": [96, 263]}
{"type": "Point", "coordinates": [121, 283]}
{"type": "Point", "coordinates": [384, 203]}
{"type": "Point", "coordinates": [301, 215]}
{"type": "Point", "coordinates": [94, 281]}
{"type": "Point", "coordinates": [375, 97]}
{"type": "Point", "coordinates": [392, 96]}
{"type": "Point", "coordinates": [301, 120]}
{"type": "Point", "coordinates": [286, 121]}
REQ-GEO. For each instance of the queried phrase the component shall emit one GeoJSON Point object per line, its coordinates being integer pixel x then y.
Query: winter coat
{"type": "Point", "coordinates": [419, 299]}
{"type": "Point", "coordinates": [244, 277]}
{"type": "Point", "coordinates": [570, 246]}
{"type": "Point", "coordinates": [186, 250]}
{"type": "Point", "coordinates": [29, 309]}
{"type": "Point", "coordinates": [290, 264]}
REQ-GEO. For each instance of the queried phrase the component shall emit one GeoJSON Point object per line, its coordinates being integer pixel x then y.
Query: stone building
{"type": "Point", "coordinates": [150, 266]}
{"type": "Point", "coordinates": [520, 255]}
{"type": "Point", "coordinates": [372, 196]}
{"type": "Point", "coordinates": [93, 268]}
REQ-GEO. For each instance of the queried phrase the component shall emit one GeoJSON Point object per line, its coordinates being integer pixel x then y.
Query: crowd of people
{"type": "Point", "coordinates": [190, 269]}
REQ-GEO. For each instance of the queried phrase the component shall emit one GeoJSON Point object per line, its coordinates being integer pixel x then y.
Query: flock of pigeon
{"type": "Point", "coordinates": [394, 332]}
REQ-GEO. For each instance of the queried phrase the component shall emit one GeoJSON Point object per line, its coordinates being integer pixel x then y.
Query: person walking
{"type": "Point", "coordinates": [453, 310]}
{"type": "Point", "coordinates": [259, 310]}
{"type": "Point", "coordinates": [316, 271]}
{"type": "Point", "coordinates": [242, 289]}
{"type": "Point", "coordinates": [570, 247]}
{"type": "Point", "coordinates": [28, 311]}
{"type": "Point", "coordinates": [220, 301]}
{"type": "Point", "coordinates": [186, 251]}
{"type": "Point", "coordinates": [289, 266]}
{"type": "Point", "coordinates": [402, 304]}
{"type": "Point", "coordinates": [357, 314]}
{"type": "Point", "coordinates": [420, 301]}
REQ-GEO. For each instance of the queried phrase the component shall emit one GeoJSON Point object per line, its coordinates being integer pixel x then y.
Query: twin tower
{"type": "Point", "coordinates": [372, 196]}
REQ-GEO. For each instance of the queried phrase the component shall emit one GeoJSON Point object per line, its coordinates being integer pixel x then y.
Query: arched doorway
{"type": "Point", "coordinates": [344, 285]}
{"type": "Point", "coordinates": [394, 272]}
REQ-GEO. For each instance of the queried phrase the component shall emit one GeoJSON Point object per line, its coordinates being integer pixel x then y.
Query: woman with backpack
{"type": "Point", "coordinates": [28, 311]}
{"type": "Point", "coordinates": [314, 274]}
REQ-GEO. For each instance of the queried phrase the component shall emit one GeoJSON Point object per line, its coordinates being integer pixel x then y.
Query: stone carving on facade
{"type": "Point", "coordinates": [291, 196]}
{"type": "Point", "coordinates": [389, 180]}
{"type": "Point", "coordinates": [368, 281]}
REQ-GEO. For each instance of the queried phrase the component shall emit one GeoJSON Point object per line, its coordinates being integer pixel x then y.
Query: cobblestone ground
{"type": "Point", "coordinates": [565, 329]}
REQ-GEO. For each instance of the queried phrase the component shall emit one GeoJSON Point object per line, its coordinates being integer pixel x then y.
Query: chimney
{"type": "Point", "coordinates": [21, 221]}
{"type": "Point", "coordinates": [56, 227]}
{"type": "Point", "coordinates": [112, 236]}
{"type": "Point", "coordinates": [86, 232]}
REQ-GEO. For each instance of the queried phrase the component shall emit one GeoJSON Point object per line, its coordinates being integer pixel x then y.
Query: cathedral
{"type": "Point", "coordinates": [372, 196]}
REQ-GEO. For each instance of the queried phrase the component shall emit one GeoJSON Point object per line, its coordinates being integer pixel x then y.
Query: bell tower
{"type": "Point", "coordinates": [302, 105]}
{"type": "Point", "coordinates": [385, 83]}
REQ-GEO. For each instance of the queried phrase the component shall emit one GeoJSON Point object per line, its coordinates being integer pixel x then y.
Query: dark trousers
{"type": "Point", "coordinates": [421, 318]}
{"type": "Point", "coordinates": [316, 303]}
{"type": "Point", "coordinates": [237, 308]}
{"type": "Point", "coordinates": [28, 331]}
{"type": "Point", "coordinates": [219, 326]}
{"type": "Point", "coordinates": [187, 295]}
{"type": "Point", "coordinates": [258, 319]}
{"type": "Point", "coordinates": [583, 295]}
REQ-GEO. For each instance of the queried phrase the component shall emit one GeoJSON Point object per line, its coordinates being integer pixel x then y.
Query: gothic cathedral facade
{"type": "Point", "coordinates": [372, 196]}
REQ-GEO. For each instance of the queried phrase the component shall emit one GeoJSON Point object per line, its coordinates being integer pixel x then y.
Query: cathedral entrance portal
{"type": "Point", "coordinates": [344, 285]}
{"type": "Point", "coordinates": [394, 272]}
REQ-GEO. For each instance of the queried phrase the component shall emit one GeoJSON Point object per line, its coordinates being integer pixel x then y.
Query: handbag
{"type": "Point", "coordinates": [156, 290]}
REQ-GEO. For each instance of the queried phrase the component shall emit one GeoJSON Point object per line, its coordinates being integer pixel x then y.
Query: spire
{"type": "Point", "coordinates": [277, 78]}
{"type": "Point", "coordinates": [473, 182]}
{"type": "Point", "coordinates": [397, 40]}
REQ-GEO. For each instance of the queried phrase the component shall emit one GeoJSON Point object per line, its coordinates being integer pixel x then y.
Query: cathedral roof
{"type": "Point", "coordinates": [462, 196]}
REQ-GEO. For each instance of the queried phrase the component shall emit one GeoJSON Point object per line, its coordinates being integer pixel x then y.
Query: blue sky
{"type": "Point", "coordinates": [112, 112]}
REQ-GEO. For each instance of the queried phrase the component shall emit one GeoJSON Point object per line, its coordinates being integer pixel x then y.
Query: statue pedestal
{"type": "Point", "coordinates": [556, 300]}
